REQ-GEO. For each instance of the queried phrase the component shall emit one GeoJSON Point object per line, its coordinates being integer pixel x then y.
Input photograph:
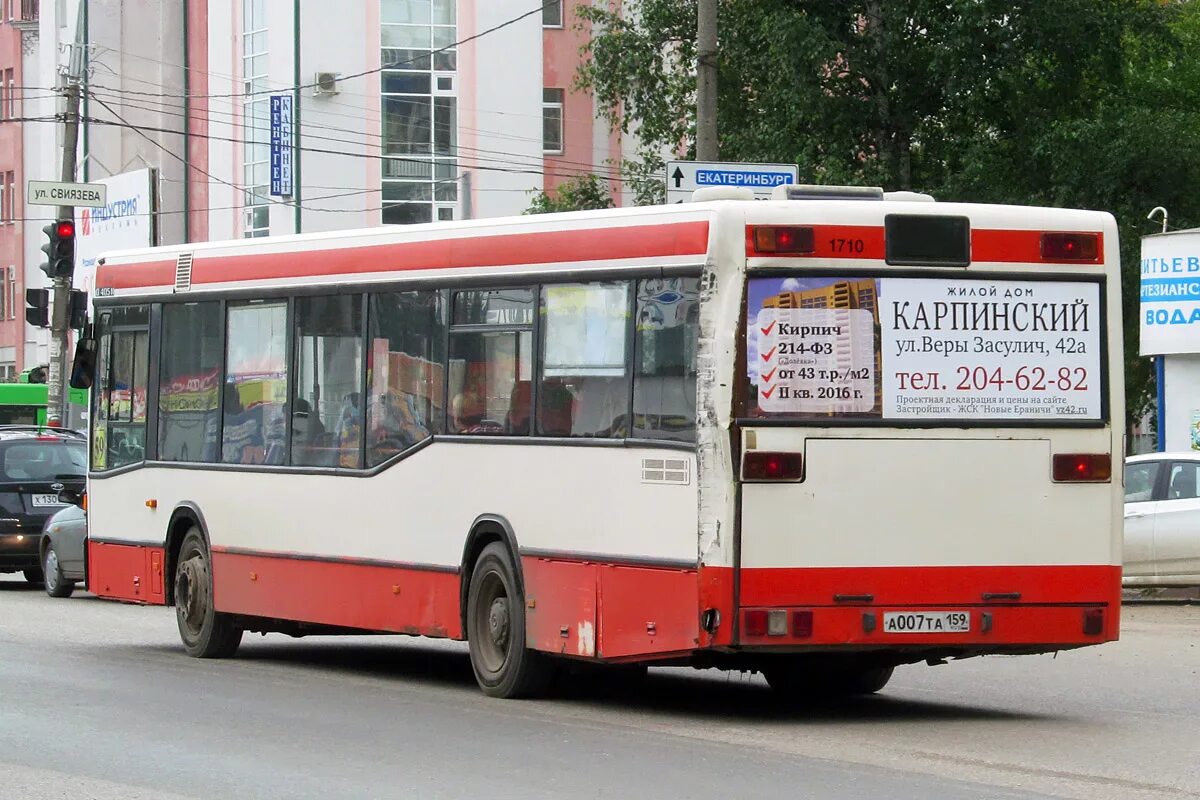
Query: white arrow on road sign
{"type": "Point", "coordinates": [685, 177]}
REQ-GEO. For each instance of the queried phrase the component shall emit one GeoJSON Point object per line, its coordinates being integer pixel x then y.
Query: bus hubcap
{"type": "Point", "coordinates": [498, 623]}
{"type": "Point", "coordinates": [191, 592]}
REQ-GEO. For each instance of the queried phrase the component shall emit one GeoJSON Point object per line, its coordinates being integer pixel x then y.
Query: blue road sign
{"type": "Point", "coordinates": [753, 180]}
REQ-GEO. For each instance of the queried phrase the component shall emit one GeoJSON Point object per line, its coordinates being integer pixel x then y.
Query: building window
{"type": "Point", "coordinates": [420, 110]}
{"type": "Point", "coordinates": [12, 292]}
{"type": "Point", "coordinates": [256, 120]}
{"type": "Point", "coordinates": [5, 294]}
{"type": "Point", "coordinates": [552, 15]}
{"type": "Point", "coordinates": [552, 121]}
{"type": "Point", "coordinates": [10, 95]}
{"type": "Point", "coordinates": [9, 198]}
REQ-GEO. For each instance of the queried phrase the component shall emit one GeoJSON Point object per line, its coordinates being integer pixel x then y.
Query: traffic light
{"type": "Point", "coordinates": [59, 249]}
{"type": "Point", "coordinates": [37, 307]}
{"type": "Point", "coordinates": [77, 310]}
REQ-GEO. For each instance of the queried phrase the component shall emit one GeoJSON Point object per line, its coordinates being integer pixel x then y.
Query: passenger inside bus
{"type": "Point", "coordinates": [468, 415]}
{"type": "Point", "coordinates": [396, 424]}
{"type": "Point", "coordinates": [516, 422]}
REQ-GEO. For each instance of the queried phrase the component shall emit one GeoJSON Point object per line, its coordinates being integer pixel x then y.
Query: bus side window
{"type": "Point", "coordinates": [664, 378]}
{"type": "Point", "coordinates": [119, 429]}
{"type": "Point", "coordinates": [188, 381]}
{"type": "Point", "coordinates": [406, 334]}
{"type": "Point", "coordinates": [585, 380]}
{"type": "Point", "coordinates": [327, 378]}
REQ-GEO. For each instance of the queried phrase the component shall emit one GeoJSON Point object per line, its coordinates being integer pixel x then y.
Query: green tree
{"type": "Point", "coordinates": [1087, 103]}
{"type": "Point", "coordinates": [574, 194]}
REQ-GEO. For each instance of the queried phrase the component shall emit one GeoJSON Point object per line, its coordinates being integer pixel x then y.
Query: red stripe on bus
{"type": "Point", "coordinates": [545, 247]}
{"type": "Point", "coordinates": [1019, 247]}
{"type": "Point", "coordinates": [613, 611]}
{"type": "Point", "coordinates": [126, 572]}
{"type": "Point", "coordinates": [1038, 628]}
{"type": "Point", "coordinates": [367, 596]}
{"type": "Point", "coordinates": [864, 242]}
{"type": "Point", "coordinates": [830, 241]}
{"type": "Point", "coordinates": [905, 586]}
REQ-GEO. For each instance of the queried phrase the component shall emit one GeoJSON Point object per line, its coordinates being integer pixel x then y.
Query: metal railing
{"type": "Point", "coordinates": [29, 10]}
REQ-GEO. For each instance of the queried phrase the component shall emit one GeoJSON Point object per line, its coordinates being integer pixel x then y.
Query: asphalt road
{"type": "Point", "coordinates": [98, 701]}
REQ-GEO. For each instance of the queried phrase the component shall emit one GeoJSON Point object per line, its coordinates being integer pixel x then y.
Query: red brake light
{"type": "Point", "coordinates": [802, 624]}
{"type": "Point", "coordinates": [1093, 622]}
{"type": "Point", "coordinates": [773, 239]}
{"type": "Point", "coordinates": [65, 229]}
{"type": "Point", "coordinates": [1071, 247]}
{"type": "Point", "coordinates": [759, 465]}
{"type": "Point", "coordinates": [755, 622]}
{"type": "Point", "coordinates": [1085, 467]}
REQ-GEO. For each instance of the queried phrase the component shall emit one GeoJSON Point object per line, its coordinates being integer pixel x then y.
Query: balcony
{"type": "Point", "coordinates": [28, 14]}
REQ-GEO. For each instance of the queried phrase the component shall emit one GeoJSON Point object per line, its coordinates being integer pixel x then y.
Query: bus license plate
{"type": "Point", "coordinates": [926, 622]}
{"type": "Point", "coordinates": [43, 500]}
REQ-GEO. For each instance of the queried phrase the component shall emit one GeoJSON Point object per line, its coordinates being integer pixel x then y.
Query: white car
{"type": "Point", "coordinates": [1162, 519]}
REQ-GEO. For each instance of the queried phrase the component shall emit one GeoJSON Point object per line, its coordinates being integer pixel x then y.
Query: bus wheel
{"type": "Point", "coordinates": [205, 633]}
{"type": "Point", "coordinates": [864, 680]}
{"type": "Point", "coordinates": [503, 666]}
{"type": "Point", "coordinates": [802, 679]}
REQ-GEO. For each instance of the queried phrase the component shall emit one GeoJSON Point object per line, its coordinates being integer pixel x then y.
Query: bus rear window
{"type": "Point", "coordinates": [923, 349]}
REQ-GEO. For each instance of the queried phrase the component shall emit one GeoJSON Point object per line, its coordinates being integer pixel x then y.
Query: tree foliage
{"type": "Point", "coordinates": [1082, 103]}
{"type": "Point", "coordinates": [574, 194]}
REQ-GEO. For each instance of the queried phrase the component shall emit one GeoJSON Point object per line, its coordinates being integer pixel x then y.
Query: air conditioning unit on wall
{"type": "Point", "coordinates": [326, 83]}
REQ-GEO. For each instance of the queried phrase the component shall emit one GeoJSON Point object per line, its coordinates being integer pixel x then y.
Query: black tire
{"type": "Point", "coordinates": [503, 665]}
{"type": "Point", "coordinates": [800, 679]}
{"type": "Point", "coordinates": [33, 575]}
{"type": "Point", "coordinates": [205, 632]}
{"type": "Point", "coordinates": [56, 585]}
{"type": "Point", "coordinates": [864, 680]}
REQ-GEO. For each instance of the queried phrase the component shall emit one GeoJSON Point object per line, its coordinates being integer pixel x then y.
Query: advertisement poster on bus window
{"type": "Point", "coordinates": [924, 349]}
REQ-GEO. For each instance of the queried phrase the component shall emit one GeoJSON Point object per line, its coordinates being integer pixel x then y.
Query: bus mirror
{"type": "Point", "coordinates": [83, 369]}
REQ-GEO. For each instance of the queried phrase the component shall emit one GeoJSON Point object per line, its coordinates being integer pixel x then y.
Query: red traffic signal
{"type": "Point", "coordinates": [65, 228]}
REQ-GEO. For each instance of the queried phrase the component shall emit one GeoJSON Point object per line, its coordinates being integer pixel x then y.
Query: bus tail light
{"type": "Point", "coordinates": [1093, 622]}
{"type": "Point", "coordinates": [1082, 467]}
{"type": "Point", "coordinates": [1071, 247]}
{"type": "Point", "coordinates": [760, 465]}
{"type": "Point", "coordinates": [755, 621]}
{"type": "Point", "coordinates": [802, 624]}
{"type": "Point", "coordinates": [781, 240]}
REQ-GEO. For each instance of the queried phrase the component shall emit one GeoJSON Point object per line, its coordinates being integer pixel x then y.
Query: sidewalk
{"type": "Point", "coordinates": [1188, 596]}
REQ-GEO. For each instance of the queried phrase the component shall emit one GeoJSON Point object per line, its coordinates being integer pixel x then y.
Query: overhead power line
{"type": "Point", "coordinates": [363, 73]}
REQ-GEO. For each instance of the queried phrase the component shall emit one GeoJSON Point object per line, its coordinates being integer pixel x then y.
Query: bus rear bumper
{"type": "Point", "coordinates": [987, 628]}
{"type": "Point", "coordinates": [994, 608]}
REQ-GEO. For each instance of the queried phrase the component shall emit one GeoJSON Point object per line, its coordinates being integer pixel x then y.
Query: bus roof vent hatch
{"type": "Point", "coordinates": [706, 193]}
{"type": "Point", "coordinates": [797, 191]}
{"type": "Point", "coordinates": [183, 272]}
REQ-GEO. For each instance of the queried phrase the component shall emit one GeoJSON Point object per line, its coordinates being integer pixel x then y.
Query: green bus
{"type": "Point", "coordinates": [26, 401]}
{"type": "Point", "coordinates": [23, 403]}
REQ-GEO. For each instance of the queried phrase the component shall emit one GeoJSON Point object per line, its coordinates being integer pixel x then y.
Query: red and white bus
{"type": "Point", "coordinates": [817, 436]}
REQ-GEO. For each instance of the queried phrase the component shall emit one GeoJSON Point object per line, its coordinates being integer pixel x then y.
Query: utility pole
{"type": "Point", "coordinates": [61, 292]}
{"type": "Point", "coordinates": [706, 81]}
